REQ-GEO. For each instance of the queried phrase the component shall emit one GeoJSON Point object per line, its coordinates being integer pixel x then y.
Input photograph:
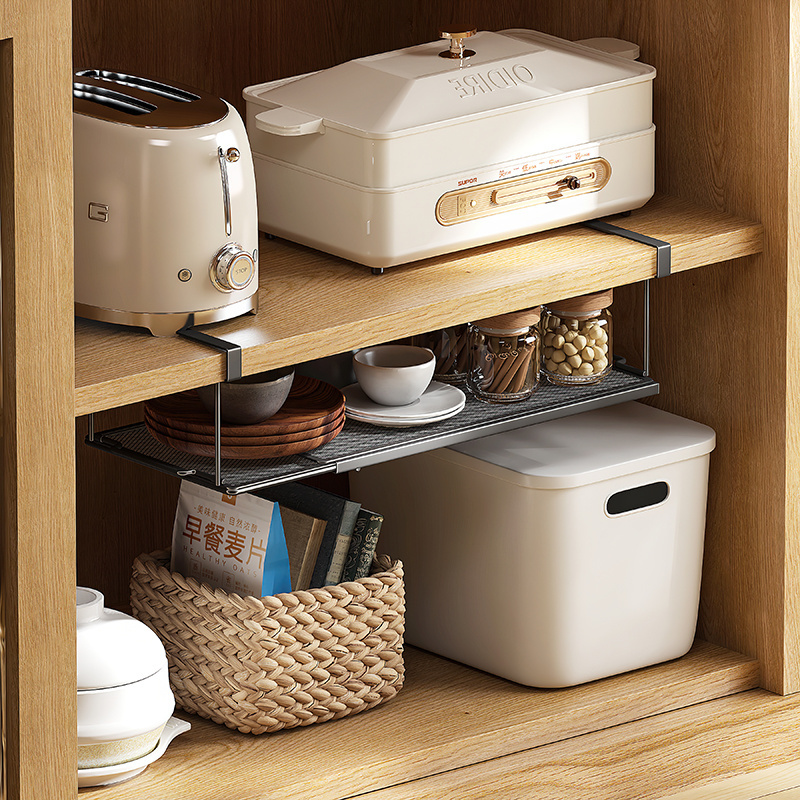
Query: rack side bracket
{"type": "Point", "coordinates": [233, 352]}
{"type": "Point", "coordinates": [663, 249]}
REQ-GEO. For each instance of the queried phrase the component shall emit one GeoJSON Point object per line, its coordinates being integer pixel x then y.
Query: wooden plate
{"type": "Point", "coordinates": [250, 451]}
{"type": "Point", "coordinates": [240, 441]}
{"type": "Point", "coordinates": [310, 404]}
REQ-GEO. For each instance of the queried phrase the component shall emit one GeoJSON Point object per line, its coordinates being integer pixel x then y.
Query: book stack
{"type": "Point", "coordinates": [330, 539]}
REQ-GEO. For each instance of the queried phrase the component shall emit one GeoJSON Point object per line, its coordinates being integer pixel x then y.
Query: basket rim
{"type": "Point", "coordinates": [392, 569]}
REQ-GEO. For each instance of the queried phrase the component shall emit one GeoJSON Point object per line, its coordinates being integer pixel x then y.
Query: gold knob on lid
{"type": "Point", "coordinates": [456, 34]}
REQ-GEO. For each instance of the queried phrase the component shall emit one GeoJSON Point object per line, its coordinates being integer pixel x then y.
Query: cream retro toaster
{"type": "Point", "coordinates": [166, 225]}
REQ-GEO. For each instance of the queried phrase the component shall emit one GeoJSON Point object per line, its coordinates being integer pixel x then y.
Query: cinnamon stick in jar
{"type": "Point", "coordinates": [505, 357]}
{"type": "Point", "coordinates": [451, 351]}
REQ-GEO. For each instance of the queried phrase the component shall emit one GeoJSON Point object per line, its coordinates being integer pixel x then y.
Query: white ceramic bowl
{"type": "Point", "coordinates": [124, 697]}
{"type": "Point", "coordinates": [251, 399]}
{"type": "Point", "coordinates": [394, 374]}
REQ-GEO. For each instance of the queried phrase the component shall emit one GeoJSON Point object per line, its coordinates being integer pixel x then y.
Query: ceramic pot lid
{"type": "Point", "coordinates": [114, 649]}
{"type": "Point", "coordinates": [390, 93]}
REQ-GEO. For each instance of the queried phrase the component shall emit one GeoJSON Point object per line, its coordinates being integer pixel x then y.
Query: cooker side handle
{"type": "Point", "coordinates": [615, 47]}
{"type": "Point", "coordinates": [282, 121]}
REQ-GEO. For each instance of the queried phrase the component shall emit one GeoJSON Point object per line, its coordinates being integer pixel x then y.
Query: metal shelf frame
{"type": "Point", "coordinates": [361, 445]}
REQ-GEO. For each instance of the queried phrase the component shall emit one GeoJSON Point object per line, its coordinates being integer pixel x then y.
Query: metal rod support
{"type": "Point", "coordinates": [217, 434]}
{"type": "Point", "coordinates": [646, 331]}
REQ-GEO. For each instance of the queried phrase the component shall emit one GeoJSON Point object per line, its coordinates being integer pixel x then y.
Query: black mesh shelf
{"type": "Point", "coordinates": [360, 444]}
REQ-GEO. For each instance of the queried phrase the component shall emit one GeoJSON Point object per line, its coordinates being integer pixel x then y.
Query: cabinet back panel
{"type": "Point", "coordinates": [721, 110]}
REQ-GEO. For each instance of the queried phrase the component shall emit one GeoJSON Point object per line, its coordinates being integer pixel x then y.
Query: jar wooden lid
{"type": "Point", "coordinates": [514, 322]}
{"type": "Point", "coordinates": [583, 304]}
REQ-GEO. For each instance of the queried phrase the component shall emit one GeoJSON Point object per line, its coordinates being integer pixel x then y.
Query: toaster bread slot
{"type": "Point", "coordinates": [111, 99]}
{"type": "Point", "coordinates": [146, 84]}
{"type": "Point", "coordinates": [127, 99]}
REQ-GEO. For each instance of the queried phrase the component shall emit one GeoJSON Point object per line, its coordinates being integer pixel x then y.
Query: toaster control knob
{"type": "Point", "coordinates": [232, 268]}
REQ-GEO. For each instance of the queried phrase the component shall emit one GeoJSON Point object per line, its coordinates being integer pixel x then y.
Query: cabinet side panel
{"type": "Point", "coordinates": [723, 117]}
{"type": "Point", "coordinates": [38, 506]}
{"type": "Point", "coordinates": [792, 485]}
{"type": "Point", "coordinates": [720, 336]}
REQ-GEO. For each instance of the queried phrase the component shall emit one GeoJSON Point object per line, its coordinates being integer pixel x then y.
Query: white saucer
{"type": "Point", "coordinates": [116, 773]}
{"type": "Point", "coordinates": [408, 423]}
{"type": "Point", "coordinates": [439, 401]}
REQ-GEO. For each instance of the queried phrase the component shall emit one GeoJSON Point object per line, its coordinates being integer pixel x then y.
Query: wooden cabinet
{"type": "Point", "coordinates": [723, 349]}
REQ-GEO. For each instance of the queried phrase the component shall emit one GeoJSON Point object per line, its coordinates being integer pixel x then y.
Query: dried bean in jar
{"type": "Point", "coordinates": [578, 336]}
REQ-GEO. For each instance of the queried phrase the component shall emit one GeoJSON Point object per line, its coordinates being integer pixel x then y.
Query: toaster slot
{"type": "Point", "coordinates": [145, 84]}
{"type": "Point", "coordinates": [111, 99]}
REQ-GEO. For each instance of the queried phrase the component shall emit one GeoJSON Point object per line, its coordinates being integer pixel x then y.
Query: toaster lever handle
{"type": "Point", "coordinates": [231, 154]}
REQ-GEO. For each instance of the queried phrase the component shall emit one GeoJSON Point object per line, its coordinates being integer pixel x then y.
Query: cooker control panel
{"type": "Point", "coordinates": [546, 186]}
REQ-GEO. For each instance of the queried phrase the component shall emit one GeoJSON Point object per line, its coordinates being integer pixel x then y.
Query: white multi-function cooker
{"type": "Point", "coordinates": [422, 151]}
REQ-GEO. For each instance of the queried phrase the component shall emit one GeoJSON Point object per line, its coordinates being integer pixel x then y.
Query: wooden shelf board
{"type": "Point", "coordinates": [446, 717]}
{"type": "Point", "coordinates": [314, 305]}
{"type": "Point", "coordinates": [733, 748]}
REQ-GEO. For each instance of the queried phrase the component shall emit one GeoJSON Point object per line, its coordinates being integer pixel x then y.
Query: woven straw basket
{"type": "Point", "coordinates": [260, 665]}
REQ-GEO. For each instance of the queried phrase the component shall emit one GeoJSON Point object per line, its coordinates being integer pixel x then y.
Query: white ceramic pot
{"type": "Point", "coordinates": [124, 699]}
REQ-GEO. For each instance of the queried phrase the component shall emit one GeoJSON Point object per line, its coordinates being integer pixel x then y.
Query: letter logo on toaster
{"type": "Point", "coordinates": [98, 211]}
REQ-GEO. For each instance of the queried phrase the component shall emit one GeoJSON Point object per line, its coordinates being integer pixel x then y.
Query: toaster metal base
{"type": "Point", "coordinates": [168, 324]}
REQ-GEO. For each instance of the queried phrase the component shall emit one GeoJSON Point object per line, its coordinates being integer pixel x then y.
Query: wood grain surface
{"type": "Point", "coordinates": [250, 449]}
{"type": "Point", "coordinates": [239, 441]}
{"type": "Point", "coordinates": [37, 545]}
{"type": "Point", "coordinates": [791, 556]}
{"type": "Point", "coordinates": [706, 752]}
{"type": "Point", "coordinates": [123, 509]}
{"type": "Point", "coordinates": [446, 716]}
{"type": "Point", "coordinates": [726, 111]}
{"type": "Point", "coordinates": [314, 305]}
{"type": "Point", "coordinates": [722, 115]}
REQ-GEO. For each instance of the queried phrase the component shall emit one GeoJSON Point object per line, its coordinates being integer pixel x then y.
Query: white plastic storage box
{"type": "Point", "coordinates": [555, 554]}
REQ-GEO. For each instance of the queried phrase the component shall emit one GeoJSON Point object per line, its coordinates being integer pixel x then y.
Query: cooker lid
{"type": "Point", "coordinates": [391, 93]}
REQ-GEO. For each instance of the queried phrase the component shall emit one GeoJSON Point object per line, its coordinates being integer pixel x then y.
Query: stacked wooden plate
{"type": "Point", "coordinates": [312, 415]}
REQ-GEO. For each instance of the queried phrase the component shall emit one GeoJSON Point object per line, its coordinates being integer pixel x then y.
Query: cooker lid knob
{"type": "Point", "coordinates": [232, 268]}
{"type": "Point", "coordinates": [456, 34]}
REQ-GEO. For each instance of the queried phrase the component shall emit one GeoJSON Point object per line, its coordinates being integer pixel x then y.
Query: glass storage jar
{"type": "Point", "coordinates": [505, 355]}
{"type": "Point", "coordinates": [577, 339]}
{"type": "Point", "coordinates": [451, 348]}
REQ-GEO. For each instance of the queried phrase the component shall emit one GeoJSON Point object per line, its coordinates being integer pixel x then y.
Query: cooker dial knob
{"type": "Point", "coordinates": [232, 268]}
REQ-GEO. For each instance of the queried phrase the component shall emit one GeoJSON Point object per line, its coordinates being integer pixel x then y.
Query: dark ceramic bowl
{"type": "Point", "coordinates": [251, 399]}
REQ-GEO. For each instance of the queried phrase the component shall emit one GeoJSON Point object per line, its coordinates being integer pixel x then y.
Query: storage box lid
{"type": "Point", "coordinates": [593, 446]}
{"type": "Point", "coordinates": [393, 93]}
